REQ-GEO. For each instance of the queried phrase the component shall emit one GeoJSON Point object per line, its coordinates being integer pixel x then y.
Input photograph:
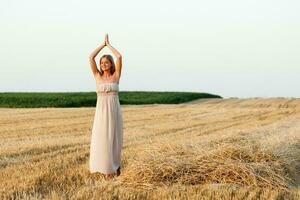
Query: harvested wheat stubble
{"type": "Point", "coordinates": [241, 164]}
{"type": "Point", "coordinates": [236, 146]}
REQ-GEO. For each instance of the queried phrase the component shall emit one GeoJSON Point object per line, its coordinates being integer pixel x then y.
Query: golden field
{"type": "Point", "coordinates": [205, 149]}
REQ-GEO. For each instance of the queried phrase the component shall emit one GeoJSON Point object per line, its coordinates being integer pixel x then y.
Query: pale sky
{"type": "Point", "coordinates": [233, 48]}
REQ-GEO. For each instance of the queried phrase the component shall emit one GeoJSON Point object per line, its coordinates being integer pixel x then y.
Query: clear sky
{"type": "Point", "coordinates": [233, 48]}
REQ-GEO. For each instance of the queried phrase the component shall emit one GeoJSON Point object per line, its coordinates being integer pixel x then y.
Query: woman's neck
{"type": "Point", "coordinates": [106, 74]}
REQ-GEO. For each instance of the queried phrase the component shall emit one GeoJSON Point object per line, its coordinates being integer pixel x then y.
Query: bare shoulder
{"type": "Point", "coordinates": [97, 77]}
{"type": "Point", "coordinates": [116, 77]}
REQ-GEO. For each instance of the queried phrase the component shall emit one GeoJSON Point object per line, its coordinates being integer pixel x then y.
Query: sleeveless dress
{"type": "Point", "coordinates": [107, 131]}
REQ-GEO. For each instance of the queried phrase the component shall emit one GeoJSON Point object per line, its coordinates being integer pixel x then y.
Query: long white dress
{"type": "Point", "coordinates": [107, 132]}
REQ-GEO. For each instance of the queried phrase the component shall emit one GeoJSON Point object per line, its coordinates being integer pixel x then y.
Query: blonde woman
{"type": "Point", "coordinates": [107, 131]}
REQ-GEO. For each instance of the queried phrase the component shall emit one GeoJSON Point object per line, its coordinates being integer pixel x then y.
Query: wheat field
{"type": "Point", "coordinates": [205, 149]}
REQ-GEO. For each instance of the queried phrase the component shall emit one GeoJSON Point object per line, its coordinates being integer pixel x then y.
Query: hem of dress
{"type": "Point", "coordinates": [98, 171]}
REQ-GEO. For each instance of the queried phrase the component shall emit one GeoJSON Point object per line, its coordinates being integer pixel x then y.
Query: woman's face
{"type": "Point", "coordinates": [105, 64]}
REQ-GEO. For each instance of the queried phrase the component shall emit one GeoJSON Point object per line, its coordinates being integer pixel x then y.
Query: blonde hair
{"type": "Point", "coordinates": [111, 60]}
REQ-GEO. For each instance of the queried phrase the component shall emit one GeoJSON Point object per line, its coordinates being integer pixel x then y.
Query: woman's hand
{"type": "Point", "coordinates": [116, 53]}
{"type": "Point", "coordinates": [104, 43]}
{"type": "Point", "coordinates": [106, 40]}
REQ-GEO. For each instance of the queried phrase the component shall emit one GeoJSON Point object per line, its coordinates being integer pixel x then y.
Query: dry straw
{"type": "Point", "coordinates": [167, 163]}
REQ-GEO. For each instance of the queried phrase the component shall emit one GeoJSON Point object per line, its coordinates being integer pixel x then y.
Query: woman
{"type": "Point", "coordinates": [107, 131]}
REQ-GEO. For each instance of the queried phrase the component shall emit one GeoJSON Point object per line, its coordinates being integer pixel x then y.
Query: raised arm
{"type": "Point", "coordinates": [92, 58]}
{"type": "Point", "coordinates": [117, 54]}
